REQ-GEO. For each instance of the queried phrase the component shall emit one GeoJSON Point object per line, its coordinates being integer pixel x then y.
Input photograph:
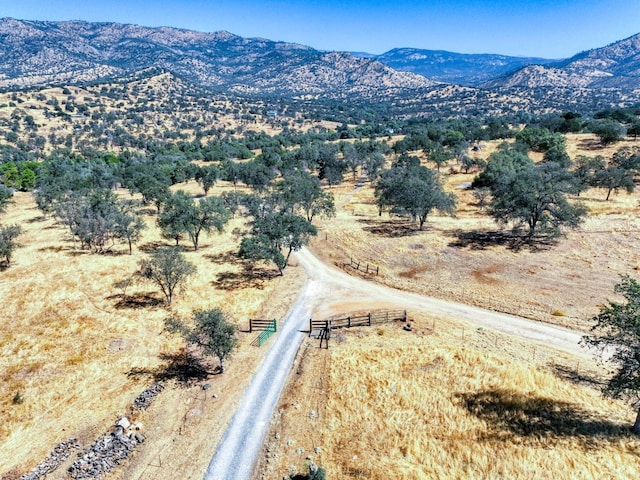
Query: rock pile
{"type": "Point", "coordinates": [144, 400]}
{"type": "Point", "coordinates": [109, 451]}
{"type": "Point", "coordinates": [59, 454]}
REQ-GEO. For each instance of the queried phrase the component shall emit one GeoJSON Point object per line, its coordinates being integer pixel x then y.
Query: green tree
{"type": "Point", "coordinates": [274, 233]}
{"type": "Point", "coordinates": [528, 194]}
{"type": "Point", "coordinates": [609, 131]}
{"type": "Point", "coordinates": [634, 129]}
{"type": "Point", "coordinates": [413, 190]}
{"type": "Point", "coordinates": [614, 178]}
{"type": "Point", "coordinates": [5, 197]}
{"type": "Point", "coordinates": [210, 331]}
{"type": "Point", "coordinates": [616, 336]}
{"type": "Point", "coordinates": [8, 235]}
{"type": "Point", "coordinates": [540, 139]}
{"type": "Point", "coordinates": [177, 212]}
{"type": "Point", "coordinates": [302, 191]}
{"type": "Point", "coordinates": [168, 269]}
{"type": "Point", "coordinates": [210, 214]}
{"type": "Point", "coordinates": [207, 176]}
{"type": "Point", "coordinates": [128, 227]}
{"type": "Point", "coordinates": [586, 170]}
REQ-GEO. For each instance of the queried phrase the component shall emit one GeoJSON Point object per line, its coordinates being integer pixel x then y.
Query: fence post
{"type": "Point", "coordinates": [349, 322]}
{"type": "Point", "coordinates": [405, 316]}
{"type": "Point", "coordinates": [310, 325]}
{"type": "Point", "coordinates": [377, 269]}
{"type": "Point", "coordinates": [369, 318]}
{"type": "Point", "coordinates": [367, 268]}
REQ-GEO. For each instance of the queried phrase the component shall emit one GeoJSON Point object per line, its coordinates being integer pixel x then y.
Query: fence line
{"type": "Point", "coordinates": [366, 320]}
{"type": "Point", "coordinates": [365, 267]}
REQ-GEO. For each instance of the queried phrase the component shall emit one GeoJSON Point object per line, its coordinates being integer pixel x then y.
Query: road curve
{"type": "Point", "coordinates": [239, 448]}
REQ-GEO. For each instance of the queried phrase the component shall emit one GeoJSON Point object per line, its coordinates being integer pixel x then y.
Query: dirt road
{"type": "Point", "coordinates": [330, 291]}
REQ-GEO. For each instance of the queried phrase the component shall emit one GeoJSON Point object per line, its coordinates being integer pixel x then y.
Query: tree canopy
{"type": "Point", "coordinates": [168, 269]}
{"type": "Point", "coordinates": [616, 336]}
{"type": "Point", "coordinates": [412, 190]}
{"type": "Point", "coordinates": [210, 331]}
{"type": "Point", "coordinates": [529, 194]}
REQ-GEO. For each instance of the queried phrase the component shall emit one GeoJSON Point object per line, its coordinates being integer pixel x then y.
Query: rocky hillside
{"type": "Point", "coordinates": [44, 53]}
{"type": "Point", "coordinates": [458, 68]}
{"type": "Point", "coordinates": [614, 66]}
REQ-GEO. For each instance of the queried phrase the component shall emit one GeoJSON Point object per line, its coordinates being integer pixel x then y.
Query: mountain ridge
{"type": "Point", "coordinates": [38, 52]}
{"type": "Point", "coordinates": [459, 68]}
{"type": "Point", "coordinates": [616, 65]}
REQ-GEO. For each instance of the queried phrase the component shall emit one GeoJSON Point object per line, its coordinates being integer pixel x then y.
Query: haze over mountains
{"type": "Point", "coordinates": [450, 67]}
{"type": "Point", "coordinates": [44, 53]}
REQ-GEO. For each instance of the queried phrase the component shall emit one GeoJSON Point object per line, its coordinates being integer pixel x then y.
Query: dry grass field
{"type": "Point", "coordinates": [77, 354]}
{"type": "Point", "coordinates": [437, 403]}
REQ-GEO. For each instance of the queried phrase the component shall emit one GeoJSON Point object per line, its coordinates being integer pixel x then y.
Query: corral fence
{"type": "Point", "coordinates": [322, 328]}
{"type": "Point", "coordinates": [364, 267]}
{"type": "Point", "coordinates": [266, 327]}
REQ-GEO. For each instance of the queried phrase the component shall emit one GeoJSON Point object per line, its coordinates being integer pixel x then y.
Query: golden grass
{"type": "Point", "coordinates": [416, 411]}
{"type": "Point", "coordinates": [455, 258]}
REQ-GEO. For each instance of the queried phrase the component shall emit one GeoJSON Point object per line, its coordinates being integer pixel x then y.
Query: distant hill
{"type": "Point", "coordinates": [44, 53]}
{"type": "Point", "coordinates": [458, 68]}
{"type": "Point", "coordinates": [614, 66]}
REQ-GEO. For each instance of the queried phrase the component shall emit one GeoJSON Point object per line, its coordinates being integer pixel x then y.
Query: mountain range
{"type": "Point", "coordinates": [450, 67]}
{"type": "Point", "coordinates": [44, 53]}
{"type": "Point", "coordinates": [40, 53]}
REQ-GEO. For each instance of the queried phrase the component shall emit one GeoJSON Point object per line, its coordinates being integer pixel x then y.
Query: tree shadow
{"type": "Point", "coordinates": [481, 240]}
{"type": "Point", "coordinates": [574, 376]}
{"type": "Point", "coordinates": [184, 368]}
{"type": "Point", "coordinates": [590, 144]}
{"type": "Point", "coordinates": [151, 247]}
{"type": "Point", "coordinates": [537, 419]}
{"type": "Point", "coordinates": [136, 301]}
{"type": "Point", "coordinates": [38, 219]}
{"type": "Point", "coordinates": [223, 258]}
{"type": "Point", "coordinates": [390, 229]}
{"type": "Point", "coordinates": [249, 277]}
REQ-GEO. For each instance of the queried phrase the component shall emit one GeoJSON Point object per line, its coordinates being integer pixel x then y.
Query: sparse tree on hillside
{"type": "Point", "coordinates": [207, 176]}
{"type": "Point", "coordinates": [128, 227]}
{"type": "Point", "coordinates": [609, 131]}
{"type": "Point", "coordinates": [210, 214]}
{"type": "Point", "coordinates": [177, 213]}
{"type": "Point", "coordinates": [8, 235]}
{"type": "Point", "coordinates": [528, 194]}
{"type": "Point", "coordinates": [616, 336]}
{"type": "Point", "coordinates": [302, 191]}
{"type": "Point", "coordinates": [412, 190]}
{"type": "Point", "coordinates": [168, 269]}
{"type": "Point", "coordinates": [614, 178]}
{"type": "Point", "coordinates": [211, 332]}
{"type": "Point", "coordinates": [274, 233]}
{"type": "Point", "coordinates": [5, 197]}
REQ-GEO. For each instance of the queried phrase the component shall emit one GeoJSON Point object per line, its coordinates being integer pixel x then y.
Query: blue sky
{"type": "Point", "coordinates": [543, 28]}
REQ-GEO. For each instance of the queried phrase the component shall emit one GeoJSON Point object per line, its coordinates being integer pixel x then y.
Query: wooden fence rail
{"type": "Point", "coordinates": [260, 325]}
{"type": "Point", "coordinates": [364, 267]}
{"type": "Point", "coordinates": [266, 327]}
{"type": "Point", "coordinates": [366, 320]}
